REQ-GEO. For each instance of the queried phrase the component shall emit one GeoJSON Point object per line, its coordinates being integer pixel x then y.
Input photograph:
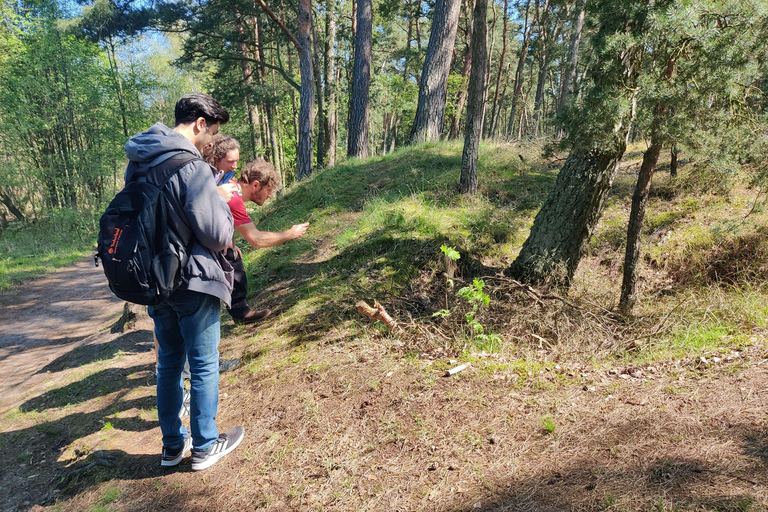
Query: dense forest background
{"type": "Point", "coordinates": [310, 84]}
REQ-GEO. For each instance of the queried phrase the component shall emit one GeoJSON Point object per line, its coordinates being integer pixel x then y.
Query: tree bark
{"type": "Point", "coordinates": [569, 75]}
{"type": "Point", "coordinates": [247, 70]}
{"type": "Point", "coordinates": [673, 161]}
{"type": "Point", "coordinates": [112, 57]}
{"type": "Point", "coordinates": [518, 91]}
{"type": "Point", "coordinates": [359, 123]}
{"type": "Point", "coordinates": [547, 35]}
{"type": "Point", "coordinates": [428, 124]}
{"type": "Point", "coordinates": [496, 107]}
{"type": "Point", "coordinates": [8, 202]}
{"type": "Point", "coordinates": [269, 105]}
{"type": "Point", "coordinates": [306, 120]}
{"type": "Point", "coordinates": [455, 127]}
{"type": "Point", "coordinates": [319, 97]}
{"type": "Point", "coordinates": [565, 223]}
{"type": "Point", "coordinates": [474, 125]}
{"type": "Point", "coordinates": [307, 94]}
{"type": "Point", "coordinates": [635, 226]}
{"type": "Point", "coordinates": [331, 115]}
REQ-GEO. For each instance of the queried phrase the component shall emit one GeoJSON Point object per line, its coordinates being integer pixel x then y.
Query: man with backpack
{"type": "Point", "coordinates": [200, 226]}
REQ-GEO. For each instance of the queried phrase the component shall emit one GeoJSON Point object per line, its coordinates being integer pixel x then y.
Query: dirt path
{"type": "Point", "coordinates": [45, 318]}
{"type": "Point", "coordinates": [354, 426]}
{"type": "Point", "coordinates": [64, 375]}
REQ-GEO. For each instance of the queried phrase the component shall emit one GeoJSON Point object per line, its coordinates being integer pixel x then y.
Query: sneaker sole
{"type": "Point", "coordinates": [177, 460]}
{"type": "Point", "coordinates": [213, 459]}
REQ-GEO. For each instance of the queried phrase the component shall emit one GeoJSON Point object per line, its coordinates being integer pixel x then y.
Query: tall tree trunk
{"type": "Point", "coordinates": [635, 226]}
{"type": "Point", "coordinates": [503, 95]}
{"type": "Point", "coordinates": [247, 70]}
{"type": "Point", "coordinates": [269, 104]}
{"type": "Point", "coordinates": [320, 97]}
{"type": "Point", "coordinates": [118, 84]}
{"type": "Point", "coordinates": [294, 105]}
{"type": "Point", "coordinates": [408, 39]}
{"type": "Point", "coordinates": [455, 129]}
{"type": "Point", "coordinates": [331, 116]}
{"type": "Point", "coordinates": [474, 126]}
{"type": "Point", "coordinates": [639, 200]}
{"type": "Point", "coordinates": [359, 124]}
{"type": "Point", "coordinates": [569, 74]}
{"type": "Point", "coordinates": [547, 36]}
{"type": "Point", "coordinates": [486, 85]}
{"type": "Point", "coordinates": [428, 124]}
{"type": "Point", "coordinates": [518, 91]}
{"type": "Point", "coordinates": [418, 37]}
{"type": "Point", "coordinates": [496, 107]}
{"type": "Point", "coordinates": [307, 107]}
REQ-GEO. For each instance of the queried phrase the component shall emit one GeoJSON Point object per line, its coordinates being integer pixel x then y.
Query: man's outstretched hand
{"type": "Point", "coordinates": [298, 230]}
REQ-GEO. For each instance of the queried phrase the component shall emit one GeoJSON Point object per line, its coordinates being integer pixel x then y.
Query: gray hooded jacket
{"type": "Point", "coordinates": [196, 211]}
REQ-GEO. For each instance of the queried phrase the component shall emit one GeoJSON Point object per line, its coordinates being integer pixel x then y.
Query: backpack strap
{"type": "Point", "coordinates": [159, 174]}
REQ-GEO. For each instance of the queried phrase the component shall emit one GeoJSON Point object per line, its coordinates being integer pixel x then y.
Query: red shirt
{"type": "Point", "coordinates": [237, 206]}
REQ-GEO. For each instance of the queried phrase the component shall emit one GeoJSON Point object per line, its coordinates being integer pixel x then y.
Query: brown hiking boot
{"type": "Point", "coordinates": [253, 316]}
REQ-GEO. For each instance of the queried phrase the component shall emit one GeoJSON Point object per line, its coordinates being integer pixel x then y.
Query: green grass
{"type": "Point", "coordinates": [28, 250]}
{"type": "Point", "coordinates": [375, 224]}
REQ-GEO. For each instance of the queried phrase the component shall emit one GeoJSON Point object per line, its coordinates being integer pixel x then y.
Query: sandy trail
{"type": "Point", "coordinates": [42, 319]}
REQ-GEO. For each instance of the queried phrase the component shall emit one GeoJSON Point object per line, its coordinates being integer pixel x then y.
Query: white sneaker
{"type": "Point", "coordinates": [226, 442]}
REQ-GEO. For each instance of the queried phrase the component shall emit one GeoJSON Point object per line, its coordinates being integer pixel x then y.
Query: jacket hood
{"type": "Point", "coordinates": [157, 140]}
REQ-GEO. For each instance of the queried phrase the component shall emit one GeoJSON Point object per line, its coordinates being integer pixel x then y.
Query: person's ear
{"type": "Point", "coordinates": [200, 124]}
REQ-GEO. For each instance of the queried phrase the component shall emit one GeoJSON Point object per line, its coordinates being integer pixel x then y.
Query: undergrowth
{"type": "Point", "coordinates": [376, 228]}
{"type": "Point", "coordinates": [55, 240]}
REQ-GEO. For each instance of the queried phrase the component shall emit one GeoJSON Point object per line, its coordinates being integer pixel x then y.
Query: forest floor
{"type": "Point", "coordinates": [572, 410]}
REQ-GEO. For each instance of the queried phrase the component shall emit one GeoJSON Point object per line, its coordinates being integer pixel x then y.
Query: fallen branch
{"type": "Point", "coordinates": [377, 312]}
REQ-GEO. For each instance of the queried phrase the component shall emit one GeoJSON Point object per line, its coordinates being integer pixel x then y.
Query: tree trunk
{"type": "Point", "coordinates": [359, 123]}
{"type": "Point", "coordinates": [565, 223]}
{"type": "Point", "coordinates": [486, 85]}
{"type": "Point", "coordinates": [673, 162]}
{"type": "Point", "coordinates": [269, 105]}
{"type": "Point", "coordinates": [112, 57]}
{"type": "Point", "coordinates": [635, 226]}
{"type": "Point", "coordinates": [428, 124]}
{"type": "Point", "coordinates": [8, 202]}
{"type": "Point", "coordinates": [495, 108]}
{"type": "Point", "coordinates": [247, 70]}
{"type": "Point", "coordinates": [569, 75]}
{"type": "Point", "coordinates": [455, 130]}
{"type": "Point", "coordinates": [331, 115]}
{"type": "Point", "coordinates": [307, 94]}
{"type": "Point", "coordinates": [518, 91]}
{"type": "Point", "coordinates": [319, 96]}
{"type": "Point", "coordinates": [547, 35]}
{"type": "Point", "coordinates": [474, 126]}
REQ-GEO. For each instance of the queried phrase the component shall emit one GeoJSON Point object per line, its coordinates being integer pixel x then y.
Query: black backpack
{"type": "Point", "coordinates": [136, 245]}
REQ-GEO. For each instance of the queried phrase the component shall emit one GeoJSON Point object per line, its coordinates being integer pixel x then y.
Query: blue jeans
{"type": "Point", "coordinates": [188, 326]}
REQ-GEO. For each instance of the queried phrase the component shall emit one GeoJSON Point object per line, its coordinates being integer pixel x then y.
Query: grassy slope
{"type": "Point", "coordinates": [572, 410]}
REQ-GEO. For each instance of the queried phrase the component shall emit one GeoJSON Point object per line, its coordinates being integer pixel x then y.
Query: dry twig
{"type": "Point", "coordinates": [377, 312]}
